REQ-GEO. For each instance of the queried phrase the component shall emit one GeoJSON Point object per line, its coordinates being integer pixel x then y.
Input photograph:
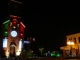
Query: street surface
{"type": "Point", "coordinates": [72, 59]}
{"type": "Point", "coordinates": [38, 59]}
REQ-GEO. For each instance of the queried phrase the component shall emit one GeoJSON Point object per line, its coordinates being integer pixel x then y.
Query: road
{"type": "Point", "coordinates": [72, 59]}
{"type": "Point", "coordinates": [38, 59]}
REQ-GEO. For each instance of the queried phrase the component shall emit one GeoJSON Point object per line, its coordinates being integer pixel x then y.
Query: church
{"type": "Point", "coordinates": [13, 31]}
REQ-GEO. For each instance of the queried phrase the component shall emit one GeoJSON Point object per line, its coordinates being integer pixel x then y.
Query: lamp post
{"type": "Point", "coordinates": [70, 43]}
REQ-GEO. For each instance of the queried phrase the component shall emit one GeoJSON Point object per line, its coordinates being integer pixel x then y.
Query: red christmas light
{"type": "Point", "coordinates": [22, 24]}
{"type": "Point", "coordinates": [21, 29]}
{"type": "Point", "coordinates": [21, 35]}
{"type": "Point", "coordinates": [14, 22]}
{"type": "Point", "coordinates": [14, 17]}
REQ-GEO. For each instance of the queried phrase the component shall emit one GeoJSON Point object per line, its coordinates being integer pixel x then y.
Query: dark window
{"type": "Point", "coordinates": [79, 39]}
{"type": "Point", "coordinates": [74, 40]}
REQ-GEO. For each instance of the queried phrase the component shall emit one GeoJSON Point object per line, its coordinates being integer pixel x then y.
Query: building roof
{"type": "Point", "coordinates": [76, 34]}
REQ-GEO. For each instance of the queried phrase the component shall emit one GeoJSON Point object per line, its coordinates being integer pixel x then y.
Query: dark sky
{"type": "Point", "coordinates": [48, 21]}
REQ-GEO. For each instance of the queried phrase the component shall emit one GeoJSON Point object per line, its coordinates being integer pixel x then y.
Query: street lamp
{"type": "Point", "coordinates": [70, 43]}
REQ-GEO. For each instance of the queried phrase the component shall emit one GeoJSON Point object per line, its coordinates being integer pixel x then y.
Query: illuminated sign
{"type": "Point", "coordinates": [27, 42]}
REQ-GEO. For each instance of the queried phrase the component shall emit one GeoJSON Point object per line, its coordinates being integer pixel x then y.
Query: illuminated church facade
{"type": "Point", "coordinates": [13, 31]}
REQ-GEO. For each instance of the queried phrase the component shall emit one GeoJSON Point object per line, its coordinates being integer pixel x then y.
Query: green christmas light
{"type": "Point", "coordinates": [6, 26]}
{"type": "Point", "coordinates": [5, 33]}
{"type": "Point", "coordinates": [58, 55]}
{"type": "Point", "coordinates": [52, 54]}
{"type": "Point", "coordinates": [6, 21]}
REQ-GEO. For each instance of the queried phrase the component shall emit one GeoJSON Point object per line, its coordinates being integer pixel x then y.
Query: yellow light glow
{"type": "Point", "coordinates": [70, 43]}
{"type": "Point", "coordinates": [14, 27]}
{"type": "Point", "coordinates": [18, 53]}
{"type": "Point", "coordinates": [7, 54]}
{"type": "Point", "coordinates": [18, 25]}
{"type": "Point", "coordinates": [10, 23]}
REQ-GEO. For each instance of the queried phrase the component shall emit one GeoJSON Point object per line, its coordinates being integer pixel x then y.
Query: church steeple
{"type": "Point", "coordinates": [14, 8]}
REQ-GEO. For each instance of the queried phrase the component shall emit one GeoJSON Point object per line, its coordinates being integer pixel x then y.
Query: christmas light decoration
{"type": "Point", "coordinates": [10, 23]}
{"type": "Point", "coordinates": [22, 24]}
{"type": "Point", "coordinates": [6, 26]}
{"type": "Point", "coordinates": [6, 21]}
{"type": "Point", "coordinates": [21, 35]}
{"type": "Point", "coordinates": [14, 22]}
{"type": "Point", "coordinates": [14, 17]}
{"type": "Point", "coordinates": [21, 28]}
{"type": "Point", "coordinates": [5, 33]}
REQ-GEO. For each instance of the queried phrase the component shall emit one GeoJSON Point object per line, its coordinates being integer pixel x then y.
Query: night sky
{"type": "Point", "coordinates": [48, 21]}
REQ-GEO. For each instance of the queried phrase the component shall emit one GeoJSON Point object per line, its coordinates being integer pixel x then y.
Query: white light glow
{"type": "Point", "coordinates": [70, 43]}
{"type": "Point", "coordinates": [5, 42]}
{"type": "Point", "coordinates": [18, 53]}
{"type": "Point", "coordinates": [27, 42]}
{"type": "Point", "coordinates": [14, 27]}
{"type": "Point", "coordinates": [13, 33]}
{"type": "Point", "coordinates": [20, 44]}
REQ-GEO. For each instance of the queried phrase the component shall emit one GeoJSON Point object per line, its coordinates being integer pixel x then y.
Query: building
{"type": "Point", "coordinates": [13, 31]}
{"type": "Point", "coordinates": [73, 44]}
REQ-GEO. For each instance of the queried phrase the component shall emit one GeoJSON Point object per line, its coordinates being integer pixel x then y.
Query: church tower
{"type": "Point", "coordinates": [13, 31]}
